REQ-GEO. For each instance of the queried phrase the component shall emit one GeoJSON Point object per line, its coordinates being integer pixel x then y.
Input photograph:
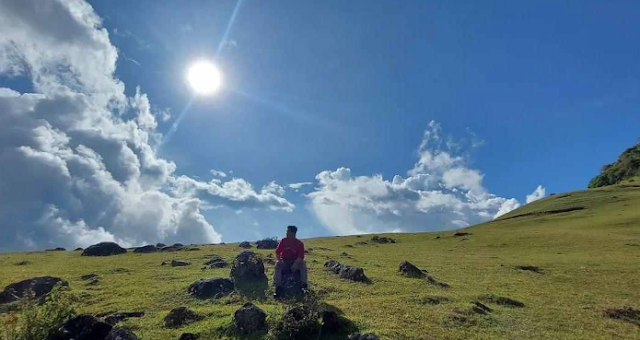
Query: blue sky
{"type": "Point", "coordinates": [536, 93]}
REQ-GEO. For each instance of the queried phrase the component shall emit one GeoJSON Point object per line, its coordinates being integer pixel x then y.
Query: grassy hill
{"type": "Point", "coordinates": [586, 243]}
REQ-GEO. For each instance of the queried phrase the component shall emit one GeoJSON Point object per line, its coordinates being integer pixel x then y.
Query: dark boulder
{"type": "Point", "coordinates": [181, 316]}
{"type": "Point", "coordinates": [459, 234]}
{"type": "Point", "coordinates": [78, 249]}
{"type": "Point", "coordinates": [530, 269]}
{"type": "Point", "coordinates": [179, 263]}
{"type": "Point", "coordinates": [247, 266]}
{"type": "Point", "coordinates": [160, 245]}
{"type": "Point", "coordinates": [267, 243]}
{"type": "Point", "coordinates": [249, 319]}
{"type": "Point", "coordinates": [346, 272]}
{"type": "Point", "coordinates": [146, 249]}
{"type": "Point", "coordinates": [245, 245]}
{"type": "Point", "coordinates": [501, 300]}
{"type": "Point", "coordinates": [82, 327]}
{"type": "Point", "coordinates": [211, 288]}
{"type": "Point", "coordinates": [121, 333]}
{"type": "Point", "coordinates": [298, 323]}
{"type": "Point", "coordinates": [173, 247]}
{"type": "Point", "coordinates": [89, 277]}
{"type": "Point", "coordinates": [383, 239]}
{"type": "Point", "coordinates": [104, 249]}
{"type": "Point", "coordinates": [330, 321]}
{"type": "Point", "coordinates": [216, 263]}
{"type": "Point", "coordinates": [22, 263]}
{"type": "Point", "coordinates": [188, 336]}
{"type": "Point", "coordinates": [40, 286]}
{"type": "Point", "coordinates": [57, 249]}
{"type": "Point", "coordinates": [408, 269]}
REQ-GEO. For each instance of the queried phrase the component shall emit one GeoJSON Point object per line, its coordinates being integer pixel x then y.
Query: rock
{"type": "Point", "coordinates": [627, 314]}
{"type": "Point", "coordinates": [216, 263]}
{"type": "Point", "coordinates": [181, 316]}
{"type": "Point", "coordinates": [249, 319]}
{"type": "Point", "coordinates": [115, 318]}
{"type": "Point", "coordinates": [330, 321]}
{"type": "Point", "coordinates": [211, 288]}
{"type": "Point", "coordinates": [57, 249]}
{"type": "Point", "coordinates": [344, 253]}
{"type": "Point", "coordinates": [160, 245]}
{"type": "Point", "coordinates": [433, 281]}
{"type": "Point", "coordinates": [192, 249]}
{"type": "Point", "coordinates": [104, 249]}
{"type": "Point", "coordinates": [346, 272]}
{"type": "Point", "coordinates": [459, 234]}
{"type": "Point", "coordinates": [88, 277]}
{"type": "Point", "coordinates": [188, 336]}
{"type": "Point", "coordinates": [408, 269]}
{"type": "Point", "coordinates": [40, 286]}
{"type": "Point", "coordinates": [433, 300]}
{"type": "Point", "coordinates": [82, 327]}
{"type": "Point", "coordinates": [22, 263]}
{"type": "Point", "coordinates": [480, 308]}
{"type": "Point", "coordinates": [78, 249]}
{"type": "Point", "coordinates": [531, 269]}
{"type": "Point", "coordinates": [367, 336]}
{"type": "Point", "coordinates": [179, 263]}
{"type": "Point", "coordinates": [298, 323]}
{"type": "Point", "coordinates": [121, 333]}
{"type": "Point", "coordinates": [173, 247]}
{"type": "Point", "coordinates": [361, 243]}
{"type": "Point", "coordinates": [245, 245]}
{"type": "Point", "coordinates": [383, 239]}
{"type": "Point", "coordinates": [501, 300]}
{"type": "Point", "coordinates": [437, 237]}
{"type": "Point", "coordinates": [247, 266]}
{"type": "Point", "coordinates": [267, 243]}
{"type": "Point", "coordinates": [146, 249]}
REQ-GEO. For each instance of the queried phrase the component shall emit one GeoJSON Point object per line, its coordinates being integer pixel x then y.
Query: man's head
{"type": "Point", "coordinates": [291, 231]}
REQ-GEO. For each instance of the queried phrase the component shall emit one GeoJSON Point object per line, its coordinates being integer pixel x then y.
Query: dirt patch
{"type": "Point", "coordinates": [501, 300]}
{"type": "Point", "coordinates": [530, 269]}
{"type": "Point", "coordinates": [431, 280]}
{"type": "Point", "coordinates": [543, 213]}
{"type": "Point", "coordinates": [627, 314]}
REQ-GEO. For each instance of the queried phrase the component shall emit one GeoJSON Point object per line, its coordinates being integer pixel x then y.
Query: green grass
{"type": "Point", "coordinates": [590, 259]}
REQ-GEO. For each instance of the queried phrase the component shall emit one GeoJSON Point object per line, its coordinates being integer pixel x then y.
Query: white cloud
{"type": "Point", "coordinates": [218, 173]}
{"type": "Point", "coordinates": [297, 186]}
{"type": "Point", "coordinates": [537, 194]}
{"type": "Point", "coordinates": [440, 192]}
{"type": "Point", "coordinates": [78, 160]}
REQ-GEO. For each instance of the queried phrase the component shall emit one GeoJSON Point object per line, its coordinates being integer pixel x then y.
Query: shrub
{"type": "Point", "coordinates": [36, 321]}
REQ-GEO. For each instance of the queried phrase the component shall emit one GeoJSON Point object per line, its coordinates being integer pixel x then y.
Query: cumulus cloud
{"type": "Point", "coordinates": [537, 194]}
{"type": "Point", "coordinates": [439, 192]}
{"type": "Point", "coordinates": [78, 165]}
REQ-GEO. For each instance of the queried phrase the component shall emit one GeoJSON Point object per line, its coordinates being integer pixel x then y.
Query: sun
{"type": "Point", "coordinates": [204, 77]}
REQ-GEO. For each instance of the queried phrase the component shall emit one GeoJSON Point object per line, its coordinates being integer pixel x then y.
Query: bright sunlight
{"type": "Point", "coordinates": [204, 77]}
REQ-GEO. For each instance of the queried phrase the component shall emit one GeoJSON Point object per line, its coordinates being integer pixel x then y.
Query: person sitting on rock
{"type": "Point", "coordinates": [290, 255]}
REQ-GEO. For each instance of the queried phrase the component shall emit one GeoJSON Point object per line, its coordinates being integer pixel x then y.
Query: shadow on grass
{"type": "Point", "coordinates": [229, 331]}
{"type": "Point", "coordinates": [254, 290]}
{"type": "Point", "coordinates": [345, 328]}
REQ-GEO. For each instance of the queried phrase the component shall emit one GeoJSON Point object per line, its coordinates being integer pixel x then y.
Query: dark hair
{"type": "Point", "coordinates": [292, 228]}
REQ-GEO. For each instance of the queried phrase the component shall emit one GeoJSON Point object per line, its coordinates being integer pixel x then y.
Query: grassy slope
{"type": "Point", "coordinates": [588, 256]}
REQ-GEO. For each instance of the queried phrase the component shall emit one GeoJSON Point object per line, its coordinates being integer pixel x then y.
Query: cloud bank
{"type": "Point", "coordinates": [78, 165]}
{"type": "Point", "coordinates": [439, 192]}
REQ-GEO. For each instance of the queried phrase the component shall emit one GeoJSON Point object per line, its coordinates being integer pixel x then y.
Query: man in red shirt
{"type": "Point", "coordinates": [290, 254]}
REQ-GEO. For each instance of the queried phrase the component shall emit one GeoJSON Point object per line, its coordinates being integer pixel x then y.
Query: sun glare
{"type": "Point", "coordinates": [204, 77]}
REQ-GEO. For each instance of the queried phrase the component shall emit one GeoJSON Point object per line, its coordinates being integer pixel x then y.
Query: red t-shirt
{"type": "Point", "coordinates": [290, 249]}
